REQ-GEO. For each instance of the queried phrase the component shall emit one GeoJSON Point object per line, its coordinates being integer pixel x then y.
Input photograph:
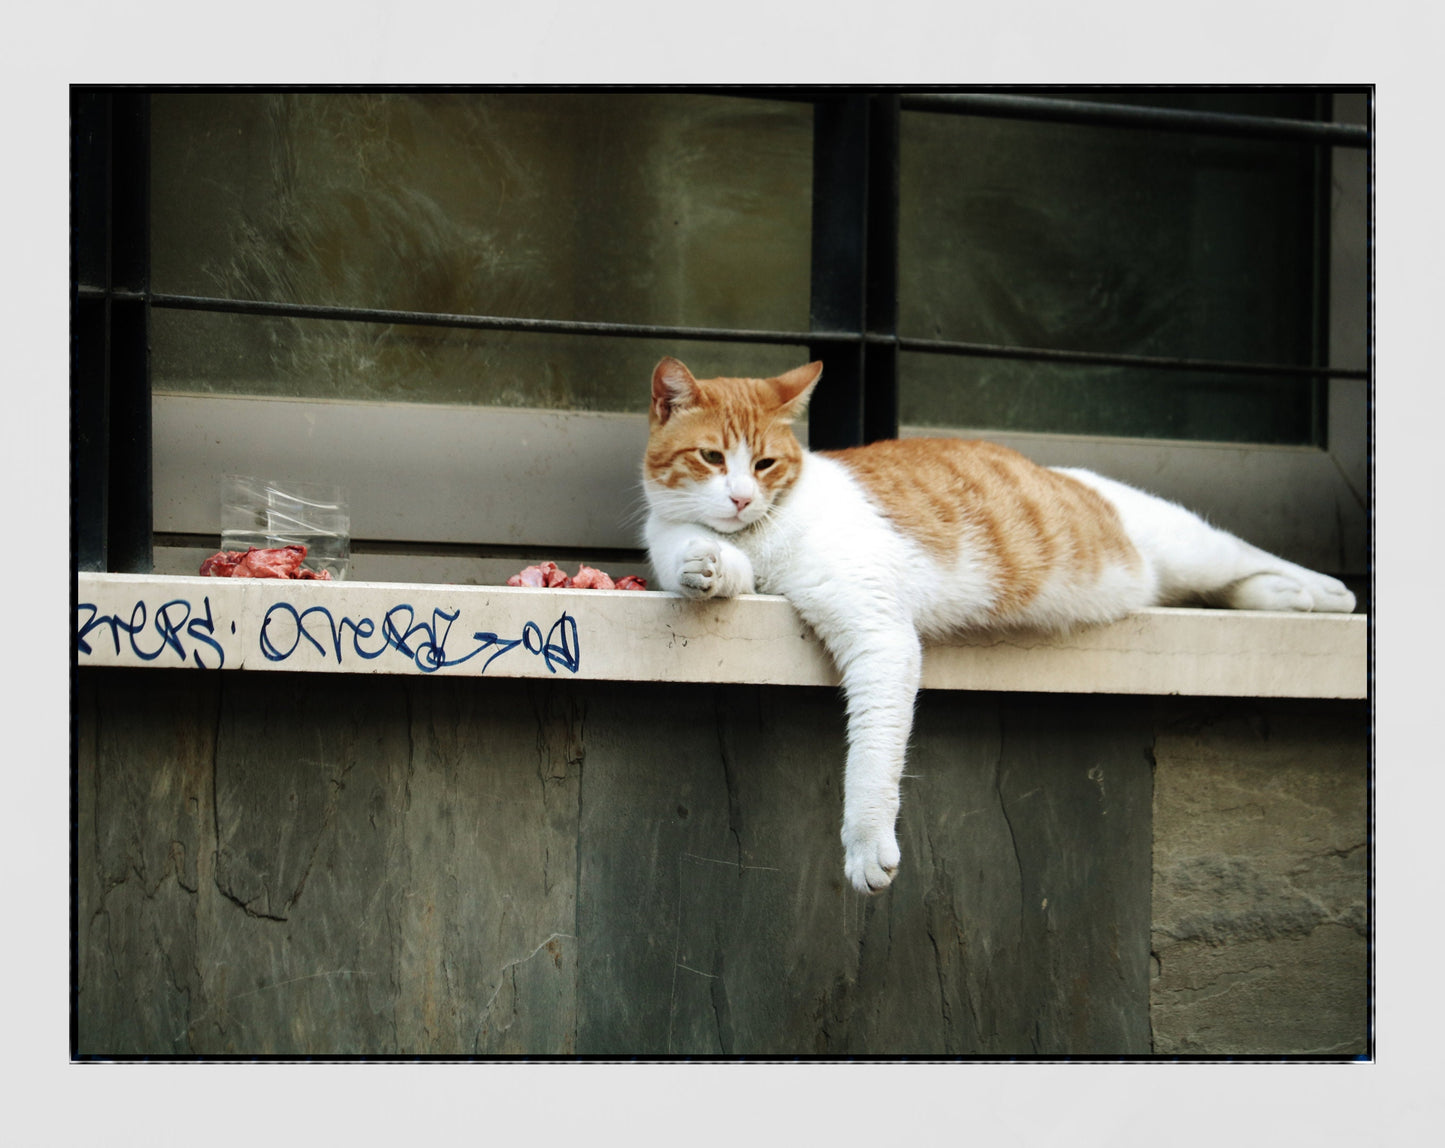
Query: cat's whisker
{"type": "Point", "coordinates": [635, 513]}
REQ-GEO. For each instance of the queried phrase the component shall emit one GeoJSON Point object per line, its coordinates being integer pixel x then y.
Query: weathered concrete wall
{"type": "Point", "coordinates": [1261, 885]}
{"type": "Point", "coordinates": [311, 864]}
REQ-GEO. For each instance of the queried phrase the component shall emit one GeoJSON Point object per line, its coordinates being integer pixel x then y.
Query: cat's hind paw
{"type": "Point", "coordinates": [870, 861]}
{"type": "Point", "coordinates": [1306, 592]}
{"type": "Point", "coordinates": [1330, 595]}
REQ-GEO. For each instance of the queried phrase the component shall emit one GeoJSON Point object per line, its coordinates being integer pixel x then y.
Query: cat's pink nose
{"type": "Point", "coordinates": [741, 503]}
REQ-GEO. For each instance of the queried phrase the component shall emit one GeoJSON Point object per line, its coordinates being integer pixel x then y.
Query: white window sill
{"type": "Point", "coordinates": [498, 631]}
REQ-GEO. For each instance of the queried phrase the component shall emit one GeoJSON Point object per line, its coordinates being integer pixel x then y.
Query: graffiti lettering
{"type": "Point", "coordinates": [428, 640]}
{"type": "Point", "coordinates": [425, 641]}
{"type": "Point", "coordinates": [173, 631]}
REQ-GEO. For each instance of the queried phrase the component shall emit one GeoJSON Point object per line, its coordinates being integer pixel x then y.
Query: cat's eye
{"type": "Point", "coordinates": [764, 463]}
{"type": "Point", "coordinates": [711, 457]}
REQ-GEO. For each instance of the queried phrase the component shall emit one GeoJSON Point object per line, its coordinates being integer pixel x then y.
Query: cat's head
{"type": "Point", "coordinates": [722, 451]}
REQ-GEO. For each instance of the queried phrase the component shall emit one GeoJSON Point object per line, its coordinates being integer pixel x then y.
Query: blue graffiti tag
{"type": "Point", "coordinates": [423, 641]}
{"type": "Point", "coordinates": [173, 631]}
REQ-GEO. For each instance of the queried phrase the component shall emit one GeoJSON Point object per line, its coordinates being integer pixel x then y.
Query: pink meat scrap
{"type": "Point", "coordinates": [544, 574]}
{"type": "Point", "coordinates": [547, 575]}
{"type": "Point", "coordinates": [281, 562]}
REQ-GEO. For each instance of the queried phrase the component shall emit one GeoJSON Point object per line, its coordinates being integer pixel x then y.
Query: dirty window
{"type": "Point", "coordinates": [657, 209]}
{"type": "Point", "coordinates": [1120, 241]}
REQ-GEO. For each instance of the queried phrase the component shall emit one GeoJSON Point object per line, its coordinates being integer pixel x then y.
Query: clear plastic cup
{"type": "Point", "coordinates": [267, 513]}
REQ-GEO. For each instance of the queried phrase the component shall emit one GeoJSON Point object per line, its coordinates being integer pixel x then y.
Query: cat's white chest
{"type": "Point", "coordinates": [841, 561]}
{"type": "Point", "coordinates": [827, 539]}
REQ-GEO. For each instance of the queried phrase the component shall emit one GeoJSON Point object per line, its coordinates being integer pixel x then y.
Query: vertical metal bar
{"type": "Point", "coordinates": [855, 267]}
{"type": "Point", "coordinates": [1370, 383]}
{"type": "Point", "coordinates": [110, 336]}
{"type": "Point", "coordinates": [1320, 278]}
{"type": "Point", "coordinates": [89, 326]}
{"type": "Point", "coordinates": [880, 359]}
{"type": "Point", "coordinates": [130, 524]}
{"type": "Point", "coordinates": [840, 203]}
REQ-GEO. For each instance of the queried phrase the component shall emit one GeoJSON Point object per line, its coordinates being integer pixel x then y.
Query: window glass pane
{"type": "Point", "coordinates": [1124, 241]}
{"type": "Point", "coordinates": [990, 394]}
{"type": "Point", "coordinates": [630, 207]}
{"type": "Point", "coordinates": [197, 352]}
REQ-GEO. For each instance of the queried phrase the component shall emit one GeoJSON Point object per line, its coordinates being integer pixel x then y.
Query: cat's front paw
{"type": "Point", "coordinates": [870, 859]}
{"type": "Point", "coordinates": [700, 574]}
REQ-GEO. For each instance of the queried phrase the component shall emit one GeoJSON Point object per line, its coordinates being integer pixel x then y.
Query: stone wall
{"type": "Point", "coordinates": [315, 864]}
{"type": "Point", "coordinates": [1261, 847]}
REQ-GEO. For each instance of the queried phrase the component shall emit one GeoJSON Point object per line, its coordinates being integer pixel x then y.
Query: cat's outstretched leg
{"type": "Point", "coordinates": [1194, 561]}
{"type": "Point", "coordinates": [880, 684]}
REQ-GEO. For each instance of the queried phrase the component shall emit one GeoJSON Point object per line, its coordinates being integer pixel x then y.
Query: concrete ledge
{"type": "Point", "coordinates": [499, 631]}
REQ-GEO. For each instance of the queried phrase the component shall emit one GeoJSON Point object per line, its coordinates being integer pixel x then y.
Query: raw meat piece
{"type": "Point", "coordinates": [546, 574]}
{"type": "Point", "coordinates": [220, 565]}
{"type": "Point", "coordinates": [589, 578]}
{"type": "Point", "coordinates": [281, 562]}
{"type": "Point", "coordinates": [543, 574]}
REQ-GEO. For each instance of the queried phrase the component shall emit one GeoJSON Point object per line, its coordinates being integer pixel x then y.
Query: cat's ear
{"type": "Point", "coordinates": [673, 389]}
{"type": "Point", "coordinates": [794, 388]}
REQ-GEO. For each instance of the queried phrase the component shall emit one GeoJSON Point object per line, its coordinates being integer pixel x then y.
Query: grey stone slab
{"type": "Point", "coordinates": [1261, 882]}
{"type": "Point", "coordinates": [1027, 917]}
{"type": "Point", "coordinates": [319, 865]}
{"type": "Point", "coordinates": [143, 814]}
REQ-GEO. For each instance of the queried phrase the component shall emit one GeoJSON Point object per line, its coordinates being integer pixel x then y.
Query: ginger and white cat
{"type": "Point", "coordinates": [881, 547]}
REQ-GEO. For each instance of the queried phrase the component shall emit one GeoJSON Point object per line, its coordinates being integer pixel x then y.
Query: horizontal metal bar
{"type": "Point", "coordinates": [1105, 359]}
{"type": "Point", "coordinates": [1131, 116]}
{"type": "Point", "coordinates": [724, 335]}
{"type": "Point", "coordinates": [493, 322]}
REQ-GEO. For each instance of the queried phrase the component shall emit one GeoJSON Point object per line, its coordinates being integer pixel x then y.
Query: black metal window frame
{"type": "Point", "coordinates": [853, 314]}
